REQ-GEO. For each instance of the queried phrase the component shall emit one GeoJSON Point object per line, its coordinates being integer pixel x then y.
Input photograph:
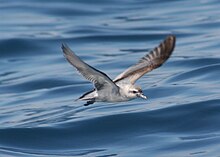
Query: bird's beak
{"type": "Point", "coordinates": [141, 95]}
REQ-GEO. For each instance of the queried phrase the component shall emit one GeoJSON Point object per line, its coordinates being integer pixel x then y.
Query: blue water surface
{"type": "Point", "coordinates": [38, 114]}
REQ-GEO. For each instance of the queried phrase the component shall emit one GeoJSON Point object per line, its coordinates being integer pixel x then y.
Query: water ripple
{"type": "Point", "coordinates": [38, 114]}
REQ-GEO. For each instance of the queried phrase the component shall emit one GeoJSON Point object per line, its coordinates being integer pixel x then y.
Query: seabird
{"type": "Point", "coordinates": [123, 87]}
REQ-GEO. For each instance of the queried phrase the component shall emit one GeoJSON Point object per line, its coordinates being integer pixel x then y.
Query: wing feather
{"type": "Point", "coordinates": [98, 78]}
{"type": "Point", "coordinates": [151, 61]}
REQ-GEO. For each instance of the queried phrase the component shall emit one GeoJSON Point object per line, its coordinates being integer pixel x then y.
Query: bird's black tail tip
{"type": "Point", "coordinates": [89, 103]}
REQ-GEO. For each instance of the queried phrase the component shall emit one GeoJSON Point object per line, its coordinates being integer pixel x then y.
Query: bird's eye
{"type": "Point", "coordinates": [134, 91]}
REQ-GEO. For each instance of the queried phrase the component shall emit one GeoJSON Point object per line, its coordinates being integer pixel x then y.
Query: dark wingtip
{"type": "Point", "coordinates": [171, 36]}
{"type": "Point", "coordinates": [170, 43]}
{"type": "Point", "coordinates": [172, 40]}
{"type": "Point", "coordinates": [64, 46]}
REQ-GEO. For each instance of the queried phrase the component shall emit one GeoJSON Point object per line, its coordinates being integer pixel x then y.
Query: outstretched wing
{"type": "Point", "coordinates": [98, 78]}
{"type": "Point", "coordinates": [149, 62]}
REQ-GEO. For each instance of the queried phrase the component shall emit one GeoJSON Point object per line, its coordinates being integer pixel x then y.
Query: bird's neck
{"type": "Point", "coordinates": [124, 90]}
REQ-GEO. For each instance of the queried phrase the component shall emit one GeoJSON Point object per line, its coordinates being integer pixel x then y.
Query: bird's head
{"type": "Point", "coordinates": [135, 91]}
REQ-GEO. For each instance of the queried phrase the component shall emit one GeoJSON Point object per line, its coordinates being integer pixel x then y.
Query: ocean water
{"type": "Point", "coordinates": [38, 114]}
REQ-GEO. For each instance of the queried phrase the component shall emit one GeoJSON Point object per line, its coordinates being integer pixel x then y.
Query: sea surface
{"type": "Point", "coordinates": [38, 113]}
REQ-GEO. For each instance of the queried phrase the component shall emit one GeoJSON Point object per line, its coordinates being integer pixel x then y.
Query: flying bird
{"type": "Point", "coordinates": [123, 87]}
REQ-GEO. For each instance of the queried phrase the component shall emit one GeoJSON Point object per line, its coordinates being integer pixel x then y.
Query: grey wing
{"type": "Point", "coordinates": [98, 78]}
{"type": "Point", "coordinates": [149, 62]}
